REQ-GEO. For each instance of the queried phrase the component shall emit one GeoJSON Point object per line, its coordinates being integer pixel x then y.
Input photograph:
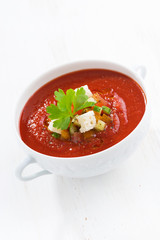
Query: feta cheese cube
{"type": "Point", "coordinates": [91, 99]}
{"type": "Point", "coordinates": [87, 121]}
{"type": "Point", "coordinates": [53, 129]}
{"type": "Point", "coordinates": [87, 90]}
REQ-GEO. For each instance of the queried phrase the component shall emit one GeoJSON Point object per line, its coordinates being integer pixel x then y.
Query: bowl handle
{"type": "Point", "coordinates": [141, 70]}
{"type": "Point", "coordinates": [27, 161]}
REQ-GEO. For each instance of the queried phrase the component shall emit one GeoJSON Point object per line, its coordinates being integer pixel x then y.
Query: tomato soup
{"type": "Point", "coordinates": [122, 95]}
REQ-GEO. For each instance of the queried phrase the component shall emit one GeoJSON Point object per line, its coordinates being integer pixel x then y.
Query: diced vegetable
{"type": "Point", "coordinates": [72, 128]}
{"type": "Point", "coordinates": [65, 134]}
{"type": "Point", "coordinates": [106, 110]}
{"type": "Point", "coordinates": [76, 123]}
{"type": "Point", "coordinates": [106, 119]}
{"type": "Point", "coordinates": [97, 109]}
{"type": "Point", "coordinates": [100, 101]}
{"type": "Point", "coordinates": [97, 116]}
{"type": "Point", "coordinates": [100, 126]}
{"type": "Point", "coordinates": [89, 134]}
{"type": "Point", "coordinates": [56, 135]}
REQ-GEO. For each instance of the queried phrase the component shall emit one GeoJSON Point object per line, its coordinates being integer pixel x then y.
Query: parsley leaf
{"type": "Point", "coordinates": [62, 123]}
{"type": "Point", "coordinates": [54, 111]}
{"type": "Point", "coordinates": [86, 105]}
{"type": "Point", "coordinates": [70, 94]}
{"type": "Point", "coordinates": [59, 94]}
{"type": "Point", "coordinates": [67, 106]}
{"type": "Point", "coordinates": [79, 99]}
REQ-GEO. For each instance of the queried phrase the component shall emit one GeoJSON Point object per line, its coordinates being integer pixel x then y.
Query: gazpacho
{"type": "Point", "coordinates": [82, 113]}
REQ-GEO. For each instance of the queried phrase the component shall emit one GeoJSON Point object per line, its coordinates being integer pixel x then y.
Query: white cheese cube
{"type": "Point", "coordinates": [87, 90]}
{"type": "Point", "coordinates": [53, 129]}
{"type": "Point", "coordinates": [87, 121]}
{"type": "Point", "coordinates": [91, 99]}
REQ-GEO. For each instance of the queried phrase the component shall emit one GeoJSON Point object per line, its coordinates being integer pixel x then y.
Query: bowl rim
{"type": "Point", "coordinates": [65, 66]}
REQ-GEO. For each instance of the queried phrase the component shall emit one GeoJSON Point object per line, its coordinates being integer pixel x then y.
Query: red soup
{"type": "Point", "coordinates": [121, 94]}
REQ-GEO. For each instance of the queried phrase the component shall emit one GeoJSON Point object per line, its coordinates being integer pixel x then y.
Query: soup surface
{"type": "Point", "coordinates": [121, 94]}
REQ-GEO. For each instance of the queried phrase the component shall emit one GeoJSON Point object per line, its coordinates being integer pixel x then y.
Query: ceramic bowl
{"type": "Point", "coordinates": [85, 166]}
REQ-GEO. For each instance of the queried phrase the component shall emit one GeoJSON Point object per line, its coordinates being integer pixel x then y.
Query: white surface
{"type": "Point", "coordinates": [37, 35]}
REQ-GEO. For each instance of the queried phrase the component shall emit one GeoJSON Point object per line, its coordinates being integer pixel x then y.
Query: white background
{"type": "Point", "coordinates": [36, 35]}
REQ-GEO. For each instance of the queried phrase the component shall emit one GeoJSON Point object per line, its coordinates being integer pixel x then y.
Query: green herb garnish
{"type": "Point", "coordinates": [106, 110]}
{"type": "Point", "coordinates": [67, 106]}
{"type": "Point", "coordinates": [97, 109]}
{"type": "Point", "coordinates": [56, 135]}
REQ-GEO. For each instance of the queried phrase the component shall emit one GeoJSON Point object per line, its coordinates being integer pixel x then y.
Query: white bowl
{"type": "Point", "coordinates": [85, 166]}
